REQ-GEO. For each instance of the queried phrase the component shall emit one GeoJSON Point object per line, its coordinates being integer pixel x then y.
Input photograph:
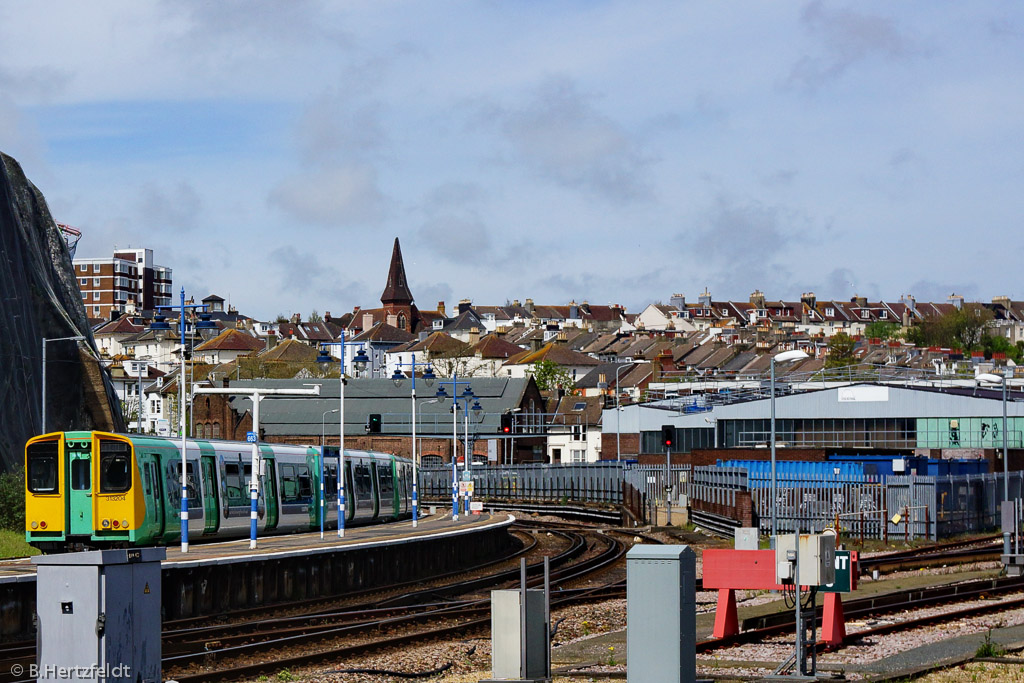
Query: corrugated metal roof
{"type": "Point", "coordinates": [301, 415]}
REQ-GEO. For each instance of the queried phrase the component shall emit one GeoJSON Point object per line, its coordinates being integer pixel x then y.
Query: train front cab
{"type": "Point", "coordinates": [80, 490]}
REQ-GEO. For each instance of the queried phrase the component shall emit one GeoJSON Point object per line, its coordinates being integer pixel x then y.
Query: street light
{"type": "Point", "coordinates": [359, 362]}
{"type": "Point", "coordinates": [618, 449]}
{"type": "Point", "coordinates": [784, 357]}
{"type": "Point", "coordinates": [442, 395]}
{"type": "Point", "coordinates": [323, 428]}
{"type": "Point", "coordinates": [993, 378]}
{"type": "Point", "coordinates": [428, 379]}
{"type": "Point", "coordinates": [160, 329]}
{"type": "Point", "coordinates": [76, 338]}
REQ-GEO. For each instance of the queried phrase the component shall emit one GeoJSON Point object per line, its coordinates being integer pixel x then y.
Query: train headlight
{"type": "Point", "coordinates": [116, 524]}
{"type": "Point", "coordinates": [42, 525]}
{"type": "Point", "coordinates": [35, 525]}
{"type": "Point", "coordinates": [105, 523]}
{"type": "Point", "coordinates": [124, 523]}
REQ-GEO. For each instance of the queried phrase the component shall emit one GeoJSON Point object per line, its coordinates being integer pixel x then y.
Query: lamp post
{"type": "Point", "coordinates": [76, 338]}
{"type": "Point", "coordinates": [993, 378]}
{"type": "Point", "coordinates": [784, 357]}
{"type": "Point", "coordinates": [428, 379]}
{"type": "Point", "coordinates": [160, 330]}
{"type": "Point", "coordinates": [359, 362]}
{"type": "Point", "coordinates": [323, 428]}
{"type": "Point", "coordinates": [618, 449]}
{"type": "Point", "coordinates": [442, 395]}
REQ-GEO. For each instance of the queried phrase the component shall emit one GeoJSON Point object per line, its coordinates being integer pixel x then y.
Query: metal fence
{"type": "Point", "coordinates": [912, 506]}
{"type": "Point", "coordinates": [591, 483]}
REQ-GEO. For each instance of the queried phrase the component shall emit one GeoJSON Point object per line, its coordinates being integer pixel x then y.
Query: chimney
{"type": "Point", "coordinates": [562, 337]}
{"type": "Point", "coordinates": [585, 307]}
{"type": "Point", "coordinates": [757, 299]}
{"type": "Point", "coordinates": [809, 299]}
{"type": "Point", "coordinates": [574, 310]}
{"type": "Point", "coordinates": [529, 306]}
{"type": "Point", "coordinates": [367, 321]}
{"type": "Point", "coordinates": [957, 300]}
{"type": "Point", "coordinates": [705, 298]}
{"type": "Point", "coordinates": [440, 308]}
{"type": "Point", "coordinates": [296, 318]}
{"type": "Point", "coordinates": [464, 305]}
{"type": "Point", "coordinates": [860, 301]}
{"type": "Point", "coordinates": [515, 303]}
{"type": "Point", "coordinates": [474, 336]}
{"type": "Point", "coordinates": [392, 319]}
{"type": "Point", "coordinates": [678, 302]}
{"type": "Point", "coordinates": [1003, 301]}
{"type": "Point", "coordinates": [536, 343]}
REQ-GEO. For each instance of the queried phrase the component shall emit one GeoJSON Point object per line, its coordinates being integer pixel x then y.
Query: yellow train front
{"type": "Point", "coordinates": [102, 490]}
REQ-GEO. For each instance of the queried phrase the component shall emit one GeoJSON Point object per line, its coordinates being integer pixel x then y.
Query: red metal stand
{"type": "Point", "coordinates": [833, 622]}
{"type": "Point", "coordinates": [726, 622]}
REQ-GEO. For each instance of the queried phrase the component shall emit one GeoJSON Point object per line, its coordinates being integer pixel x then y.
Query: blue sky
{"type": "Point", "coordinates": [270, 152]}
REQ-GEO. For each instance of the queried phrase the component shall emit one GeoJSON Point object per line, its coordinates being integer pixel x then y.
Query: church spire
{"type": "Point", "coordinates": [397, 290]}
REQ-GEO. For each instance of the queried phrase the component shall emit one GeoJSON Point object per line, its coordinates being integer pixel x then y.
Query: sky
{"type": "Point", "coordinates": [610, 152]}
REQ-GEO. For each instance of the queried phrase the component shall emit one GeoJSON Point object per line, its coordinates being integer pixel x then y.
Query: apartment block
{"type": "Point", "coordinates": [129, 278]}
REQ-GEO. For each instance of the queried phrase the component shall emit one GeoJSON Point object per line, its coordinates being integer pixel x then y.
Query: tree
{"type": "Point", "coordinates": [881, 329]}
{"type": "Point", "coordinates": [550, 376]}
{"type": "Point", "coordinates": [455, 360]}
{"type": "Point", "coordinates": [840, 351]}
{"type": "Point", "coordinates": [963, 328]}
{"type": "Point", "coordinates": [315, 317]}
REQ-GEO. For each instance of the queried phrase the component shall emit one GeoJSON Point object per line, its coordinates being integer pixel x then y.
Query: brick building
{"type": "Point", "coordinates": [307, 420]}
{"type": "Point", "coordinates": [128, 278]}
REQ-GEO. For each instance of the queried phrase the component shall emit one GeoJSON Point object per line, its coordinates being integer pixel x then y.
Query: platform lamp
{"type": "Point", "coordinates": [784, 357]}
{"type": "Point", "coordinates": [442, 396]}
{"type": "Point", "coordinates": [428, 379]}
{"type": "Point", "coordinates": [160, 329]}
{"type": "Point", "coordinates": [359, 362]}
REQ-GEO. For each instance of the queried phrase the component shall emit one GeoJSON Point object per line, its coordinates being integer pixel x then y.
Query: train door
{"type": "Point", "coordinates": [79, 489]}
{"type": "Point", "coordinates": [375, 489]}
{"type": "Point", "coordinates": [211, 504]}
{"type": "Point", "coordinates": [269, 490]}
{"type": "Point", "coordinates": [151, 475]}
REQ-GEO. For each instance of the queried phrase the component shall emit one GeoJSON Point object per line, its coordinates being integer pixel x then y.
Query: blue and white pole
{"type": "Point", "coordinates": [254, 479]}
{"type": "Point", "coordinates": [341, 441]}
{"type": "Point", "coordinates": [415, 475]}
{"type": "Point", "coordinates": [455, 458]}
{"type": "Point", "coordinates": [184, 444]}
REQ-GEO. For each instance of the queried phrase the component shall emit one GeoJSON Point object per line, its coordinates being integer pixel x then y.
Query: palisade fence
{"type": "Point", "coordinates": [927, 506]}
{"type": "Point", "coordinates": [931, 507]}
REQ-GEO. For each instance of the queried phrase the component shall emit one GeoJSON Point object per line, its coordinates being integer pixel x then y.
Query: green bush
{"type": "Point", "coordinates": [12, 501]}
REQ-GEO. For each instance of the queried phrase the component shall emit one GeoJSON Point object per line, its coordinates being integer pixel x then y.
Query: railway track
{"type": "Point", "coordinates": [201, 659]}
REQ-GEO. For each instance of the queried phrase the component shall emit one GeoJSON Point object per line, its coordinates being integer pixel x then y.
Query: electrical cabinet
{"type": "Point", "coordinates": [99, 615]}
{"type": "Point", "coordinates": [507, 630]}
{"type": "Point", "coordinates": [661, 614]}
{"type": "Point", "coordinates": [817, 559]}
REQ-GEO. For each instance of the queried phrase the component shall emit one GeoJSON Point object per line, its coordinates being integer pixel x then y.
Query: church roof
{"type": "Point", "coordinates": [397, 289]}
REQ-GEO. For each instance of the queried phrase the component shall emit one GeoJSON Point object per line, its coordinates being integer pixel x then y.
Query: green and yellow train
{"type": "Point", "coordinates": [101, 490]}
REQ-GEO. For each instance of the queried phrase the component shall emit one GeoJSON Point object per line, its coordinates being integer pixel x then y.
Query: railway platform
{"type": "Point", "coordinates": [225, 576]}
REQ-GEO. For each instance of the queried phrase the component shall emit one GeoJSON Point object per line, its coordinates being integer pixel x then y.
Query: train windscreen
{"type": "Point", "coordinates": [42, 467]}
{"type": "Point", "coordinates": [115, 467]}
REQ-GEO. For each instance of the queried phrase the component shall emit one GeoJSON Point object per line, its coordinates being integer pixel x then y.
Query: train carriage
{"type": "Point", "coordinates": [98, 489]}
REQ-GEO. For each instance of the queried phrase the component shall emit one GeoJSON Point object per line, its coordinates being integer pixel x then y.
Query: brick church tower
{"type": "Point", "coordinates": [399, 306]}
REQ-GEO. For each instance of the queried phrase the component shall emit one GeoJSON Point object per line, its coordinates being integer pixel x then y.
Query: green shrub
{"type": "Point", "coordinates": [12, 501]}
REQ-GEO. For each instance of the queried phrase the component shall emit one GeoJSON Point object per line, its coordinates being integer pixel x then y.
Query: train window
{"type": "Point", "coordinates": [386, 480]}
{"type": "Point", "coordinates": [235, 485]}
{"type": "Point", "coordinates": [330, 481]}
{"type": "Point", "coordinates": [42, 467]}
{"type": "Point", "coordinates": [148, 480]}
{"type": "Point", "coordinates": [80, 474]}
{"type": "Point", "coordinates": [296, 484]}
{"type": "Point", "coordinates": [363, 482]}
{"type": "Point", "coordinates": [190, 482]}
{"type": "Point", "coordinates": [115, 467]}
